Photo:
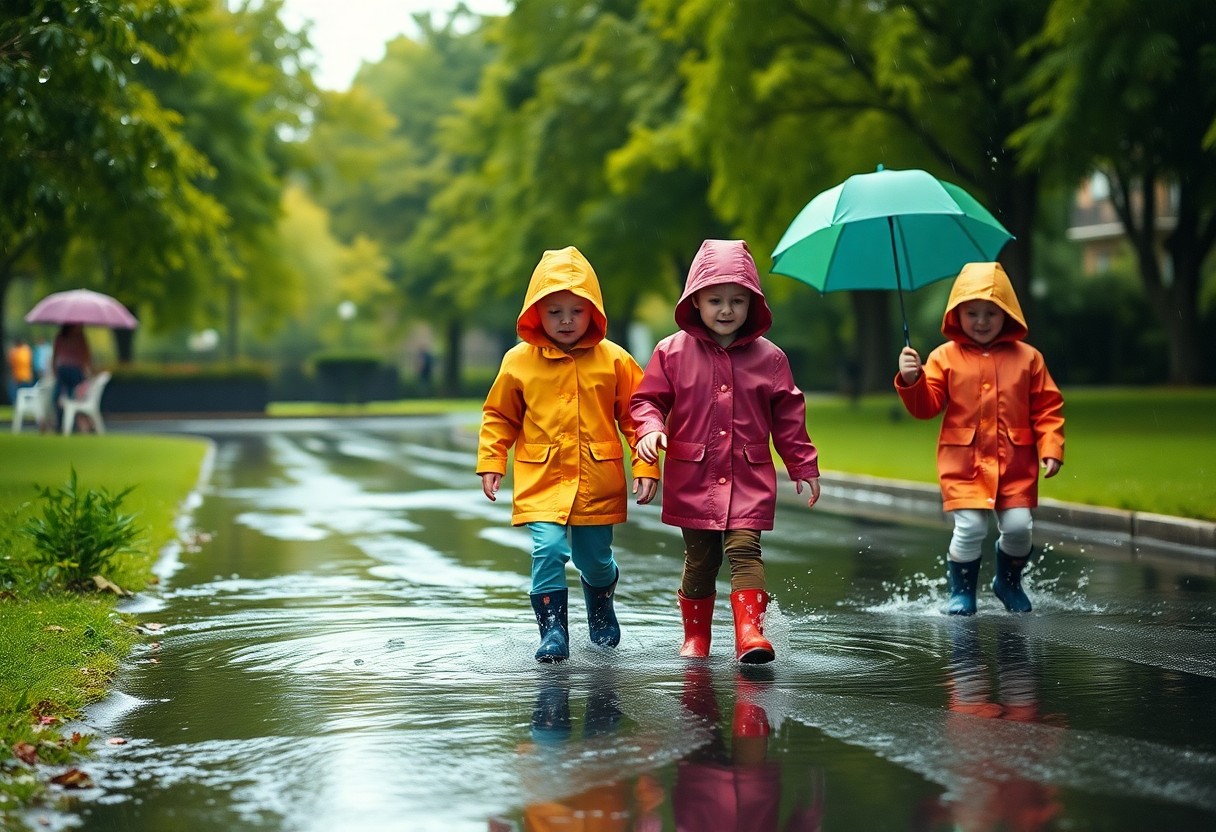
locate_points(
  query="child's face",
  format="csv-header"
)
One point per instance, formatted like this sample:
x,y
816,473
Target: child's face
x,y
723,309
565,317
981,320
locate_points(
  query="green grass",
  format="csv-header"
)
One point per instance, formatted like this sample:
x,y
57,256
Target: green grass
x,y
59,651
1148,450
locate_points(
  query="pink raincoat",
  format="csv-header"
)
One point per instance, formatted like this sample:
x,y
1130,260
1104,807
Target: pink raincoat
x,y
721,405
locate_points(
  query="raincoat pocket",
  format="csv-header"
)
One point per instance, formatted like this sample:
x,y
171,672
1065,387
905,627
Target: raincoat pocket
x,y
532,452
605,451
956,454
758,454
685,451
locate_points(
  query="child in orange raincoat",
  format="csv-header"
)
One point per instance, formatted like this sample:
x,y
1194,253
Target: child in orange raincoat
x,y
558,399
1004,417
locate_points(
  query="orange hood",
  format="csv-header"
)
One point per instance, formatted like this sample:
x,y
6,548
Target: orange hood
x,y
984,281
560,269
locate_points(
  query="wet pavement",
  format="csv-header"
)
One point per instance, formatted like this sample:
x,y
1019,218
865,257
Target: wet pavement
x,y
348,645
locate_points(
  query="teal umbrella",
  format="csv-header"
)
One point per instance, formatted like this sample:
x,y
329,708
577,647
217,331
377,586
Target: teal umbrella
x,y
891,229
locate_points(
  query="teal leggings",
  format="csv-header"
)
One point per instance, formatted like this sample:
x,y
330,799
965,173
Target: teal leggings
x,y
554,545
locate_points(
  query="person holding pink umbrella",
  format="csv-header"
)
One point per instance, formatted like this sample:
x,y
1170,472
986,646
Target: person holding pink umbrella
x,y
72,362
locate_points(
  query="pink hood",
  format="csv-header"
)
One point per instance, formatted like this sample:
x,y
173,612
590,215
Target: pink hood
x,y
717,262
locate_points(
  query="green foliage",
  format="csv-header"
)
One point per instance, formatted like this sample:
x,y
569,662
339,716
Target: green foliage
x,y
173,373
79,533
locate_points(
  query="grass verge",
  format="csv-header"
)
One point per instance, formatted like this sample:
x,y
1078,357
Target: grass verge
x,y
58,650
1139,449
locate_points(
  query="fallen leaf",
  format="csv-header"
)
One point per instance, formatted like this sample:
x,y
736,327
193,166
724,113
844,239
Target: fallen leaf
x,y
73,778
116,741
107,585
55,628
152,626
48,720
25,752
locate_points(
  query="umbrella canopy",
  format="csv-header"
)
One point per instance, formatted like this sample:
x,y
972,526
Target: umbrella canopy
x,y
891,229
82,306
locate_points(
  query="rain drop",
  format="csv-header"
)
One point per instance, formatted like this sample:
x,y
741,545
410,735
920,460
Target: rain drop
x,y
44,75
135,58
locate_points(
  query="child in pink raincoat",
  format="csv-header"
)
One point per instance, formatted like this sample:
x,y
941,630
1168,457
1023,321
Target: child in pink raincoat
x,y
1003,417
713,395
559,400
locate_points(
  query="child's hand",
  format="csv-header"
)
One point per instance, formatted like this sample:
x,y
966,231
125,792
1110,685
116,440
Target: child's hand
x,y
813,484
909,365
489,484
1051,467
648,445
645,488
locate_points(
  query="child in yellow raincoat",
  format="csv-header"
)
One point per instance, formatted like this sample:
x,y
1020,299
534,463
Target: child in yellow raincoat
x,y
559,399
1004,417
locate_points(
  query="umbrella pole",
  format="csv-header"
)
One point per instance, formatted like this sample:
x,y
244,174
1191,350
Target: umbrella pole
x,y
899,284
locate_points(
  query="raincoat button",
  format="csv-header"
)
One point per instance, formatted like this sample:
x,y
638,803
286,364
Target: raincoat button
x,y
721,480
987,385
721,433
724,388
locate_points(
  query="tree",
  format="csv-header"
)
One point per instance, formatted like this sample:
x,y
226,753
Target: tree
x,y
87,152
784,104
1129,87
540,165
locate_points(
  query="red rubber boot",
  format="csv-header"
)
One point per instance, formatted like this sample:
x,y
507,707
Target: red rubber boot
x,y
749,606
697,614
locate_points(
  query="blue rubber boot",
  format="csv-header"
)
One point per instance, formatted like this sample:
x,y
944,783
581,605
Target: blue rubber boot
x,y
550,609
963,579
602,625
1007,585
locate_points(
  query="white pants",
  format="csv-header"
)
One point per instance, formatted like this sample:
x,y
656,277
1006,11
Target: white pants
x,y
971,527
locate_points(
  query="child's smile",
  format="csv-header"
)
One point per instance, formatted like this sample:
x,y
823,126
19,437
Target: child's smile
x,y
981,320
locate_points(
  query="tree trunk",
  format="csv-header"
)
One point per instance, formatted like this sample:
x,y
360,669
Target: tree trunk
x,y
875,347
124,345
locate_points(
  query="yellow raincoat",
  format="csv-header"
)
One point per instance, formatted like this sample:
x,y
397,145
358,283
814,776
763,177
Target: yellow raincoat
x,y
561,410
1003,411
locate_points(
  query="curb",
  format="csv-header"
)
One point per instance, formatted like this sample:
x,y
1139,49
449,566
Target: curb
x,y
1135,532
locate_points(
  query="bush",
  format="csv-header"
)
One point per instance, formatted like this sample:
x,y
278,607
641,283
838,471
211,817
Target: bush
x,y
78,534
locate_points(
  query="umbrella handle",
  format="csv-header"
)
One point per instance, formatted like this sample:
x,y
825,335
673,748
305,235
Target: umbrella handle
x,y
899,284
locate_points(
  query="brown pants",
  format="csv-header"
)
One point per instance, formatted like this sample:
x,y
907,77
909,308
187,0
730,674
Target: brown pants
x,y
703,551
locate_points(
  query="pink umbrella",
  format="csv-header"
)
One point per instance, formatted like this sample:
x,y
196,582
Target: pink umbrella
x,y
82,306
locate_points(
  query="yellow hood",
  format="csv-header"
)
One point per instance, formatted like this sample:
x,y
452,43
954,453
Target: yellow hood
x,y
984,281
560,269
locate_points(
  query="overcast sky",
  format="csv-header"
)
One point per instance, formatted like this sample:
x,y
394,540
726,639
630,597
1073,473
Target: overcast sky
x,y
347,32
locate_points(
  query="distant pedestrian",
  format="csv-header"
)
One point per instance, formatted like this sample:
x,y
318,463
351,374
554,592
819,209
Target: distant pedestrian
x,y
561,400
1003,419
42,358
20,367
72,362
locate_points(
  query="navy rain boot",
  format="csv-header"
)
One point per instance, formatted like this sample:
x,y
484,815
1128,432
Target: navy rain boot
x,y
550,609
963,579
602,625
1007,585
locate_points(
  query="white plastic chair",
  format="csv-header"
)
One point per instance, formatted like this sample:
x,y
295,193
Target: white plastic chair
x,y
33,403
89,405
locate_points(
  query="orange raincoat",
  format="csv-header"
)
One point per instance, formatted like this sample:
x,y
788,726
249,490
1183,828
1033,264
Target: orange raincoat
x,y
1003,411
561,410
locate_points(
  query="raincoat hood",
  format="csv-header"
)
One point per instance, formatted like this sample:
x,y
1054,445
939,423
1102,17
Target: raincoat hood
x,y
984,281
717,262
560,269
